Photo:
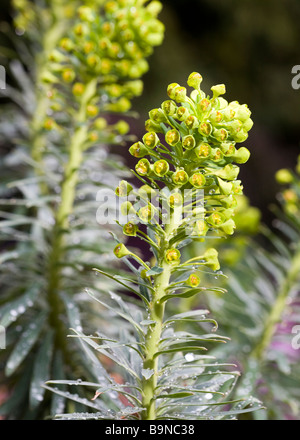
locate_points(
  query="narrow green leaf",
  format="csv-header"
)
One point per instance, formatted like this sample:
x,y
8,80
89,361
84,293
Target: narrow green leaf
x,y
41,370
179,395
11,311
27,340
154,271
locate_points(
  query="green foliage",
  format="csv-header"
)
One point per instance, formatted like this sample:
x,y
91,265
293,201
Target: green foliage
x,y
48,222
187,193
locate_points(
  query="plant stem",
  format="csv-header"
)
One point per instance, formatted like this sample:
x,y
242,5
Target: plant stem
x,y
49,42
153,337
62,216
278,307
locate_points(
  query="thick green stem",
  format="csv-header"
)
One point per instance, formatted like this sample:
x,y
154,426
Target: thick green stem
x,y
63,213
49,42
153,337
256,358
278,307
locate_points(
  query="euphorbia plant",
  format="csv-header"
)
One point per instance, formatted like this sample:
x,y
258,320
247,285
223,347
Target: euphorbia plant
x,y
189,182
85,83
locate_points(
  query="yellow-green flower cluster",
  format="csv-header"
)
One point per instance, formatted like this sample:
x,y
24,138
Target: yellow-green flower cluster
x,y
111,43
108,44
191,144
290,196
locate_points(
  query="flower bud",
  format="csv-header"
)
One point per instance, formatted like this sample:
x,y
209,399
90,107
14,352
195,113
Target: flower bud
x,y
205,129
106,66
188,142
204,105
171,90
134,88
182,114
169,107
122,127
224,186
243,113
180,94
93,60
197,180
78,89
121,251
172,256
242,155
143,167
228,149
111,6
154,8
237,188
151,140
81,29
194,80
100,123
175,200
94,136
298,165
124,189
121,106
49,124
200,228
220,103
248,125
211,259
66,44
180,177
127,209
68,75
192,122
146,191
229,202
284,176
138,150
216,155
216,219
221,135
157,115
92,111
203,151
172,137
193,280
240,136
146,213
229,114
152,126
229,172
56,56
86,14
88,47
218,90
290,196
216,117
161,167
228,227
130,229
